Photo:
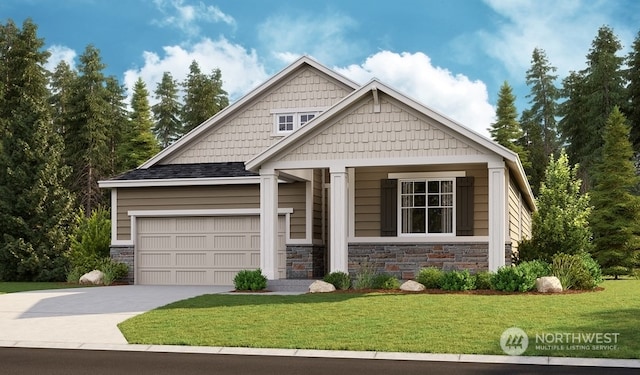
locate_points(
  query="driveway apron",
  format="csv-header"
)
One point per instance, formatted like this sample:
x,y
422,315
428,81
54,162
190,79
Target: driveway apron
x,y
84,315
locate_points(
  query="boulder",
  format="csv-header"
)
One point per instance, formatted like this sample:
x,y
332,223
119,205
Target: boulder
x,y
94,277
548,284
320,286
412,286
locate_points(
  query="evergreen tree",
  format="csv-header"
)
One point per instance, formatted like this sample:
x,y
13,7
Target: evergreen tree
x,y
35,208
140,144
633,93
166,112
506,130
561,223
573,123
62,79
118,123
204,96
601,88
539,124
616,216
86,135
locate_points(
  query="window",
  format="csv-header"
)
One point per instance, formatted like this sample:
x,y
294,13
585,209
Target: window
x,y
426,206
288,122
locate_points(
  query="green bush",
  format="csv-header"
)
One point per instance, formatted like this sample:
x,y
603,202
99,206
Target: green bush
x,y
577,271
483,280
430,277
385,281
250,280
113,271
521,278
458,280
507,279
365,276
339,279
90,241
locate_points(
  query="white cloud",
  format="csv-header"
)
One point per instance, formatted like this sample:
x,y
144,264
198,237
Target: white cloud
x,y
187,17
455,96
60,53
564,29
240,68
323,36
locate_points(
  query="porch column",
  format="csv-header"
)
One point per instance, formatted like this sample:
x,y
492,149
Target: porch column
x,y
269,223
338,230
497,215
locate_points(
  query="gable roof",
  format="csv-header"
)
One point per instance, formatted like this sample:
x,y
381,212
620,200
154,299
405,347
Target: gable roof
x,y
238,105
323,120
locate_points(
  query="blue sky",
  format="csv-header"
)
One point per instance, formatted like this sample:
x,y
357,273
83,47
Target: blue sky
x,y
450,55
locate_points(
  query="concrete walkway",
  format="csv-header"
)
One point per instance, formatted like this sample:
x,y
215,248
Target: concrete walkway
x,y
84,315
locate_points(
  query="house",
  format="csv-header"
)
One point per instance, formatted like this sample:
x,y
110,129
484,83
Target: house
x,y
311,173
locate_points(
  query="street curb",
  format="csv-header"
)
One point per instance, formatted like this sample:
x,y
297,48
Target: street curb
x,y
342,354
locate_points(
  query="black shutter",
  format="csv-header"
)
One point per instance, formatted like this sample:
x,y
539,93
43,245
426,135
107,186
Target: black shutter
x,y
388,208
464,206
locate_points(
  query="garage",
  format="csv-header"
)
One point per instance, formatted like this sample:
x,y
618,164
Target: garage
x,y
199,250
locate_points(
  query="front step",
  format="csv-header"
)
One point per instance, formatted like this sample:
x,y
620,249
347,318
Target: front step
x,y
289,285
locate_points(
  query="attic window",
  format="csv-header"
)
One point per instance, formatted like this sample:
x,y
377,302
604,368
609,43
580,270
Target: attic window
x,y
288,122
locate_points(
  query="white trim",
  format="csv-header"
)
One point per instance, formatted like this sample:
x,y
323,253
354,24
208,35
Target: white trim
x,y
114,216
308,235
338,228
423,239
498,214
413,175
426,233
302,110
351,185
122,243
204,212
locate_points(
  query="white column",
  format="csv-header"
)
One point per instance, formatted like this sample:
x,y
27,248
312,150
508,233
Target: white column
x,y
338,246
497,215
269,223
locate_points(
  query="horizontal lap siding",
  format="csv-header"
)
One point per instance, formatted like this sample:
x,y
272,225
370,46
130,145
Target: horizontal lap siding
x,y
367,204
519,216
207,197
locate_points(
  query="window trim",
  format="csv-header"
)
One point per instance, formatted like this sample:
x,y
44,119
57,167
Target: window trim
x,y
426,178
297,115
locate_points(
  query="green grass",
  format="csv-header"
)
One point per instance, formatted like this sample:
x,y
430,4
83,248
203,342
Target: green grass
x,y
14,287
432,323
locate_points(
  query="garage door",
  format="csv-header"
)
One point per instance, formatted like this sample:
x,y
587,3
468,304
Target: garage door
x,y
199,250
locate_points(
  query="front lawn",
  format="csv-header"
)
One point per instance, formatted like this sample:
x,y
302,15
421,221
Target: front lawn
x,y
431,323
14,287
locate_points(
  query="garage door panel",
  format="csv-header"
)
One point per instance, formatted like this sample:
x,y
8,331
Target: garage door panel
x,y
200,250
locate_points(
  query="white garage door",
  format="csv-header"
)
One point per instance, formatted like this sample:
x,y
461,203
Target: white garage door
x,y
199,250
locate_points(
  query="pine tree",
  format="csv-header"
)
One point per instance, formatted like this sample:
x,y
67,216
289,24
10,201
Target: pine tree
x,y
166,112
62,80
573,123
86,135
139,144
35,208
204,96
616,216
506,130
601,88
540,123
118,123
633,92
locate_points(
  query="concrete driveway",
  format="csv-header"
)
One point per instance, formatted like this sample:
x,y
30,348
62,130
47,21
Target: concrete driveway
x,y
84,315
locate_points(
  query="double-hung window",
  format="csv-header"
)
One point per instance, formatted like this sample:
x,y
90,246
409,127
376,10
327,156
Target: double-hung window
x,y
426,206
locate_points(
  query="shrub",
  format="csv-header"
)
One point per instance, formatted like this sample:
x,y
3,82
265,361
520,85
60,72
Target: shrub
x,y
483,280
364,276
90,242
430,277
592,266
385,281
507,279
572,271
339,279
112,270
250,280
458,280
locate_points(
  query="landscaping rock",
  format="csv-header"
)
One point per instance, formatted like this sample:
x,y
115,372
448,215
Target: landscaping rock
x,y
548,284
412,286
320,286
94,277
